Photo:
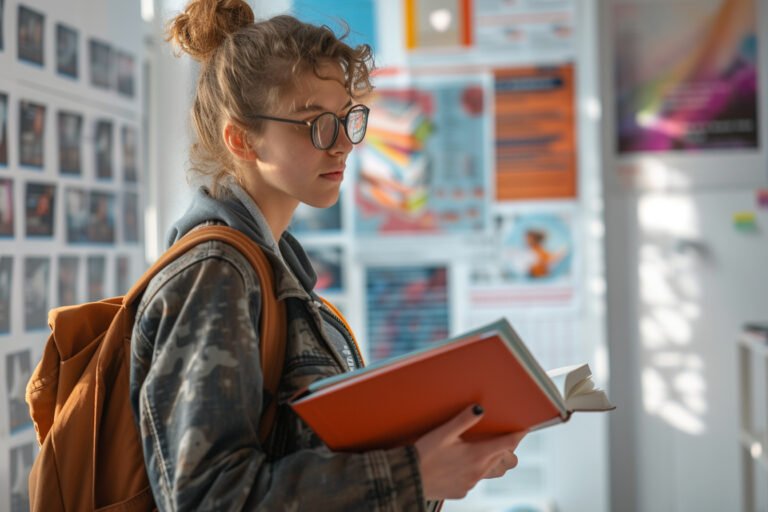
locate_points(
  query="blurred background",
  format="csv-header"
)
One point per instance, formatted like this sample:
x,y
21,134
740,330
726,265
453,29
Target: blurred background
x,y
593,170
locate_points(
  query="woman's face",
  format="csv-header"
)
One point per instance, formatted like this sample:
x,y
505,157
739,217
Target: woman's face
x,y
288,169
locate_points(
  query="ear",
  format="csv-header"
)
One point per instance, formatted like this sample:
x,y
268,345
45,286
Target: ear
x,y
236,140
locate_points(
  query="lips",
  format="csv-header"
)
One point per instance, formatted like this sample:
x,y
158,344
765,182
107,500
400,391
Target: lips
x,y
335,174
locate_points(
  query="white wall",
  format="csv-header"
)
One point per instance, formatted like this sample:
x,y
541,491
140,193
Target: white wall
x,y
681,280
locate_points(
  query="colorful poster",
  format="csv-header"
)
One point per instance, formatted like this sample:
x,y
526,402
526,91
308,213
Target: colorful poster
x,y
31,26
526,27
39,208
535,133
686,75
437,23
31,134
530,262
407,308
359,15
101,224
423,163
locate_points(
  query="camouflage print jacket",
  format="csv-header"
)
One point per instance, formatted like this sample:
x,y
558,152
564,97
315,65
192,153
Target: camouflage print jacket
x,y
196,384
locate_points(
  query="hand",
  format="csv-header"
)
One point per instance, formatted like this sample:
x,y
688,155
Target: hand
x,y
450,467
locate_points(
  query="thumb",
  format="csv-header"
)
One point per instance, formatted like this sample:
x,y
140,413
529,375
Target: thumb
x,y
460,423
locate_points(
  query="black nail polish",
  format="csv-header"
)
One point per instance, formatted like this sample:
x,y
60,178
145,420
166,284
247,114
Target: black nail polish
x,y
478,410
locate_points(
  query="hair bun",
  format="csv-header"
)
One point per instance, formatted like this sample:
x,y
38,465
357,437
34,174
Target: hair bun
x,y
204,25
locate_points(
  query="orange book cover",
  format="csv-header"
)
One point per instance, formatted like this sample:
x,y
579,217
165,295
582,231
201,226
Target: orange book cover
x,y
394,402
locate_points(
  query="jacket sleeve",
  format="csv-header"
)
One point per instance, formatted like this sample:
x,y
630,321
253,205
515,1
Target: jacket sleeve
x,y
196,386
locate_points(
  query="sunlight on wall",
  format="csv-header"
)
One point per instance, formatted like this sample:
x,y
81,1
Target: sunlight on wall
x,y
672,379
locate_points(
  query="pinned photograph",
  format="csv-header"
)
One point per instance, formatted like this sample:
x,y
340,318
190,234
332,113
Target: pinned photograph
x,y
76,215
31,31
31,134
125,76
21,458
39,205
96,272
6,280
104,144
6,208
37,278
3,127
18,369
66,50
122,274
69,273
130,217
128,139
327,263
70,141
100,54
101,222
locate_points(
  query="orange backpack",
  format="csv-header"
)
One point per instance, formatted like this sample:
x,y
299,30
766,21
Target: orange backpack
x,y
91,453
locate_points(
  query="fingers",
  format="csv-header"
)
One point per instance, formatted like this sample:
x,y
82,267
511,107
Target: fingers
x,y
460,423
503,442
504,463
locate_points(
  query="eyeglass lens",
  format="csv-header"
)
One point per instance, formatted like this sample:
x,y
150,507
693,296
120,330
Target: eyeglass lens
x,y
325,128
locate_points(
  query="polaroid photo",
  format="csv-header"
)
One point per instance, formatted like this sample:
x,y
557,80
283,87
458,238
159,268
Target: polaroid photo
x,y
3,127
69,274
128,140
37,278
328,265
100,54
6,282
130,217
125,75
18,370
39,205
66,50
31,134
77,215
70,127
21,458
31,31
6,208
103,146
101,222
123,280
96,272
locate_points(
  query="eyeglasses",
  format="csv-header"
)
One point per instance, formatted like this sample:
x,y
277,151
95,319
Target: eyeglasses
x,y
324,129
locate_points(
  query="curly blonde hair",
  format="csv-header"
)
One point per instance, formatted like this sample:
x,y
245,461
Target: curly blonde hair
x,y
246,68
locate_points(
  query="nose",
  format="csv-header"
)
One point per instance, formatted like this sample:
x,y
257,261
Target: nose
x,y
342,146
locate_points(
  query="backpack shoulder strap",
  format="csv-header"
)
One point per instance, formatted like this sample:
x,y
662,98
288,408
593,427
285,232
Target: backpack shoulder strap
x,y
273,322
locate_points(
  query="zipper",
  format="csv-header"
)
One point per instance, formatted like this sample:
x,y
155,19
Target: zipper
x,y
343,327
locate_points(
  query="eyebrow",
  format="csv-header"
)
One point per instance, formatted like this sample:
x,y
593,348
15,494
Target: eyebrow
x,y
312,107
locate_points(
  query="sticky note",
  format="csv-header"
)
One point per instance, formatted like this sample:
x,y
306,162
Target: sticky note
x,y
744,221
761,195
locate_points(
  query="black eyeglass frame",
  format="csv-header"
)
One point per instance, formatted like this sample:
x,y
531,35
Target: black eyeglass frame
x,y
311,125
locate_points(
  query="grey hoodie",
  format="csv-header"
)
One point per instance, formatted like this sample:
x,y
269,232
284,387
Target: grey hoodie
x,y
197,392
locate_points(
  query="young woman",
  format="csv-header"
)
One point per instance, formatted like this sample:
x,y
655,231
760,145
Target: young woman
x,y
276,112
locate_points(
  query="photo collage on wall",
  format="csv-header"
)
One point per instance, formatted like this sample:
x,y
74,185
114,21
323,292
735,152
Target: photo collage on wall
x,y
71,192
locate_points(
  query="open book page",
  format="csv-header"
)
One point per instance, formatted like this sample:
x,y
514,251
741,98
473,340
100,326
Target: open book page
x,y
578,389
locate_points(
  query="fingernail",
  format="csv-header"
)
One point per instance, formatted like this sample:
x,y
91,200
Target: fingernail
x,y
478,410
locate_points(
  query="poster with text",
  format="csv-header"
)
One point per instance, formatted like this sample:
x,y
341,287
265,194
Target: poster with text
x,y
686,75
526,28
535,133
18,370
528,262
407,308
422,166
37,279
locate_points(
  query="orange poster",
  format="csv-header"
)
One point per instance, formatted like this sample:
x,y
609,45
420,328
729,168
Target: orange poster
x,y
535,133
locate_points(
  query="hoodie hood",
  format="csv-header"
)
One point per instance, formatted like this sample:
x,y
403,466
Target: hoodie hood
x,y
237,210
